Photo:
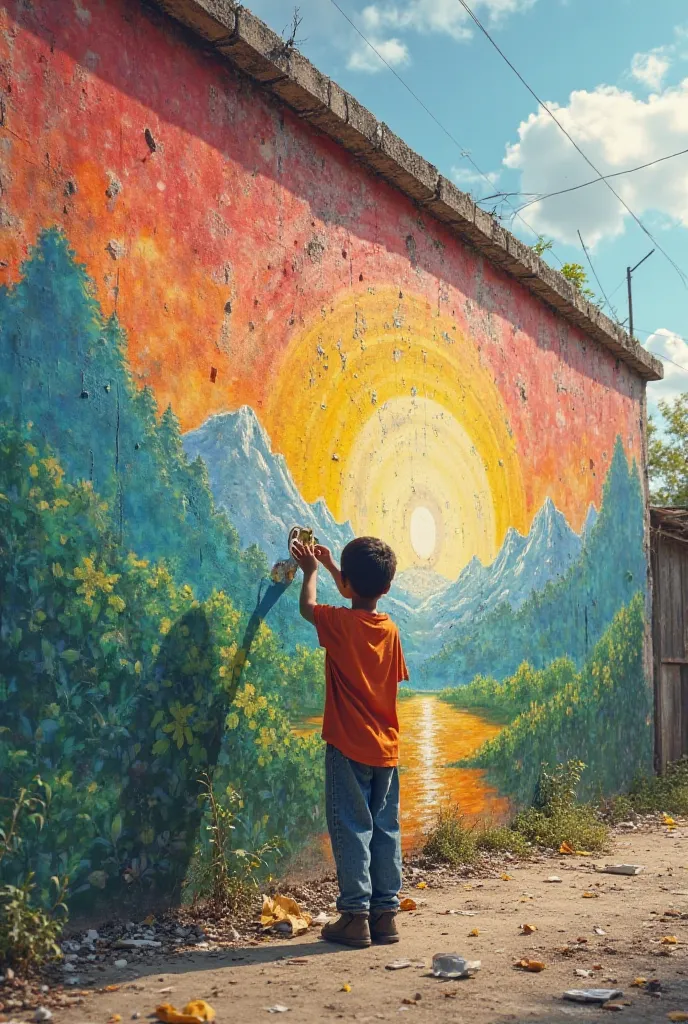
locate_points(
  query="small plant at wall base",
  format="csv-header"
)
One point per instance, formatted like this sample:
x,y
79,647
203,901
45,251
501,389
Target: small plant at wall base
x,y
226,877
558,818
28,929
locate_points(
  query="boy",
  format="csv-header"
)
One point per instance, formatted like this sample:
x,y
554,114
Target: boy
x,y
363,666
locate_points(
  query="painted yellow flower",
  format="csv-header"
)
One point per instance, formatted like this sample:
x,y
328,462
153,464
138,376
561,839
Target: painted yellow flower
x,y
165,626
232,720
93,580
117,603
92,787
33,470
57,570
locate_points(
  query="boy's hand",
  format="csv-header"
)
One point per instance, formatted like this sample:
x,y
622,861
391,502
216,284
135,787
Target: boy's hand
x,y
304,556
324,556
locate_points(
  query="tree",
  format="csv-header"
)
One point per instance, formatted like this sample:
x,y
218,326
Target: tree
x,y
668,454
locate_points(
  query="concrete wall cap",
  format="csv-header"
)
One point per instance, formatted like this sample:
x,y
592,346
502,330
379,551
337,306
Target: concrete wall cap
x,y
259,52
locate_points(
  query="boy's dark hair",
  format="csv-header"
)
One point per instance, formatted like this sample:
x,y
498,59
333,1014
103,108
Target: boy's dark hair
x,y
369,565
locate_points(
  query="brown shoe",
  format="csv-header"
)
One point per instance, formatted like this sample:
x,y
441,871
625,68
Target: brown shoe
x,y
349,930
383,927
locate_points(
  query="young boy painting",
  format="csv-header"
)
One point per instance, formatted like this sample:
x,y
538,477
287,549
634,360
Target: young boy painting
x,y
363,666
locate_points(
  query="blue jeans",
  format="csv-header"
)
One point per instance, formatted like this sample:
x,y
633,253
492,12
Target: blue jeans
x,y
362,804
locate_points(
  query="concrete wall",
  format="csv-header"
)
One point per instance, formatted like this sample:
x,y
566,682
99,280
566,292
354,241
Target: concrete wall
x,y
217,322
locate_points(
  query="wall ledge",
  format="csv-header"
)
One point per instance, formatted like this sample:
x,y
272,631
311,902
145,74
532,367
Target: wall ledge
x,y
255,49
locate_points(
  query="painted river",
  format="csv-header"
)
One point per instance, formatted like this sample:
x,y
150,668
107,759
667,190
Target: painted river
x,y
433,735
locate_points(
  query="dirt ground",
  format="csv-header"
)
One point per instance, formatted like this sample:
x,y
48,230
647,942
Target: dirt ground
x,y
309,976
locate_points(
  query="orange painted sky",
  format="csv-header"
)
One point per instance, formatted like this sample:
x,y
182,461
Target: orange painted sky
x,y
243,229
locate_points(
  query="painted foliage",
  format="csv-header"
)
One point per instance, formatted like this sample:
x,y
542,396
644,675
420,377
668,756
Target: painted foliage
x,y
215,325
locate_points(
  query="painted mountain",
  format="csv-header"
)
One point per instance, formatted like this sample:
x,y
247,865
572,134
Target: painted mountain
x,y
523,565
570,611
255,487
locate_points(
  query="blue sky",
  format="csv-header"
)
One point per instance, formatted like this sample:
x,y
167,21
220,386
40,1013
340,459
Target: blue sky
x,y
618,72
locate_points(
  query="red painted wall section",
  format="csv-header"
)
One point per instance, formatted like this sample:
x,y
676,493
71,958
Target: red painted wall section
x,y
240,206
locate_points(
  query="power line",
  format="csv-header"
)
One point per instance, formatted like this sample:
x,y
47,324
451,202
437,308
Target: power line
x,y
593,181
464,153
573,142
599,283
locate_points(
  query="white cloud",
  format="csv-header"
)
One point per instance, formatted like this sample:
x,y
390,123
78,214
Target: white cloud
x,y
469,180
446,16
363,58
668,345
421,16
617,131
650,68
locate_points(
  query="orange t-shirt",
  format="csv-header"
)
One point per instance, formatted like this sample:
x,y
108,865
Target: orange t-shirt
x,y
363,667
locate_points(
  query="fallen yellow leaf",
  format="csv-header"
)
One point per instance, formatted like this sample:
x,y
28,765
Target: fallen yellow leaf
x,y
473,933
669,940
565,848
677,1015
149,920
638,982
534,966
195,1012
407,904
591,895
668,820
583,853
506,878
346,987
528,929
422,885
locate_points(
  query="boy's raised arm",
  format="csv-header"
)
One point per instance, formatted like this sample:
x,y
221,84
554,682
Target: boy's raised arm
x,y
324,556
304,555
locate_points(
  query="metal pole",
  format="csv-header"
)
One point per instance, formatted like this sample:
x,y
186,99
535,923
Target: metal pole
x,y
629,273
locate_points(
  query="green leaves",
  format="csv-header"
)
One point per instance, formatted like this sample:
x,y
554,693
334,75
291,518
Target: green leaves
x,y
668,454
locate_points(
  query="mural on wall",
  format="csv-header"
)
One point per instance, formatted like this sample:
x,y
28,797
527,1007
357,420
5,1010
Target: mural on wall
x,y
204,340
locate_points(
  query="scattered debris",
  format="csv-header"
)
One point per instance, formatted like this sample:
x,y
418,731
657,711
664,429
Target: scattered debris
x,y
120,964
592,995
346,987
283,913
533,966
451,965
398,965
581,973
553,878
408,904
195,1012
528,929
622,869
278,1008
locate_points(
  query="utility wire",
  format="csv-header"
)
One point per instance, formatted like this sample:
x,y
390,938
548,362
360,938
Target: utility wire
x,y
593,181
464,153
599,283
573,142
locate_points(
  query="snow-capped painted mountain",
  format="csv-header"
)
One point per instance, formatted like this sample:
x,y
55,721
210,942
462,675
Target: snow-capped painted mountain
x,y
254,486
525,564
